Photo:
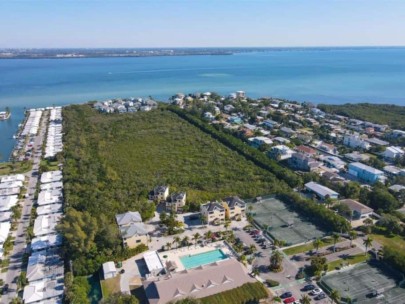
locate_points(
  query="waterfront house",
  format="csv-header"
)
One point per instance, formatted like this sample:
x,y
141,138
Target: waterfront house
x,y
321,191
213,212
365,173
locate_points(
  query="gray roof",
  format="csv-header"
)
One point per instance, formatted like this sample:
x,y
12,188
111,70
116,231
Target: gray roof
x,y
211,206
44,264
365,168
232,201
160,189
133,229
356,206
44,290
46,241
199,282
128,218
321,190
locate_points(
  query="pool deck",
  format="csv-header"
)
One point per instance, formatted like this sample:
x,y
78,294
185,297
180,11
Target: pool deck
x,y
174,255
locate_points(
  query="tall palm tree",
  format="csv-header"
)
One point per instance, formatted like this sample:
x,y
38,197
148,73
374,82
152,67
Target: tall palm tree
x,y
177,240
305,299
168,245
208,235
252,248
367,243
255,271
335,296
276,259
226,225
185,241
196,237
317,243
352,236
335,238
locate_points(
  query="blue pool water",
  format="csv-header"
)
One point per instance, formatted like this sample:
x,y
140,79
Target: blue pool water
x,y
196,260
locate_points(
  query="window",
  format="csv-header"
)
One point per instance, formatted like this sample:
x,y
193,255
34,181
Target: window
x,y
138,241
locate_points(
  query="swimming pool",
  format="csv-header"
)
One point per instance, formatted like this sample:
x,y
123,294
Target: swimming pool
x,y
192,261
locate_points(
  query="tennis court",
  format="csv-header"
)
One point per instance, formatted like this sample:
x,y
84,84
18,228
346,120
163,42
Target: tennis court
x,y
284,224
359,282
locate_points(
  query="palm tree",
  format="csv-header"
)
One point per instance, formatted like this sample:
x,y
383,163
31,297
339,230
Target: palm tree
x,y
177,240
276,259
252,248
168,245
367,242
335,238
317,243
196,237
208,235
305,299
185,241
255,271
242,259
335,296
368,222
226,225
352,236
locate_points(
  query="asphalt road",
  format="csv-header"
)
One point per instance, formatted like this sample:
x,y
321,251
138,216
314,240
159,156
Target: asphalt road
x,y
16,256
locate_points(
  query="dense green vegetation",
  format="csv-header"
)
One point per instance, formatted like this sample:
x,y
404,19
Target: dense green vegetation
x,y
113,161
247,293
15,167
391,115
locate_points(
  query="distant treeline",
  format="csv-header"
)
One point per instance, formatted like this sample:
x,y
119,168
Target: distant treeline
x,y
391,115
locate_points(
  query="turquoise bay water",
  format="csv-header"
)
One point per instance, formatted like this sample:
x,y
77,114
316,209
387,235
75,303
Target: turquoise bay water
x,y
329,76
204,258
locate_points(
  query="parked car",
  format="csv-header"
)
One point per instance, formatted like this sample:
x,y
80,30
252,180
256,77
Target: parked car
x,y
320,296
287,294
289,300
308,287
315,291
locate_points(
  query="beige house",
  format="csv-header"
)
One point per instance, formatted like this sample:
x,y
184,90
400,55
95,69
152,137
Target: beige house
x,y
234,207
213,212
133,231
176,202
159,194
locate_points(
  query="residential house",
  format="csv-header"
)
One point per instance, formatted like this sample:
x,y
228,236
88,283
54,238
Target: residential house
x,y
280,152
334,162
46,242
8,202
235,208
356,156
47,197
51,177
229,108
392,153
303,162
359,211
287,132
176,202
270,124
45,291
328,148
159,194
259,141
12,178
46,224
321,191
133,231
365,173
213,212
355,141
306,150
45,264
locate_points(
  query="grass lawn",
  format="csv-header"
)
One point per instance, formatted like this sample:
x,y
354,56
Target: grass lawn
x,y
350,260
247,293
307,247
47,165
110,286
396,242
16,168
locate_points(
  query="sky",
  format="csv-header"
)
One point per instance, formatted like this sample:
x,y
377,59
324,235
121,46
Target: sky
x,y
200,23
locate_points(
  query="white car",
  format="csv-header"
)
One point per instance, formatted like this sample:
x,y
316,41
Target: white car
x,y
315,291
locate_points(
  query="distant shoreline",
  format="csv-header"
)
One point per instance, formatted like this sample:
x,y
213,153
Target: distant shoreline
x,y
78,53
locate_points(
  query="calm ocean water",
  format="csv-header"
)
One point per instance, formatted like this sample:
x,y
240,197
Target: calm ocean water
x,y
328,76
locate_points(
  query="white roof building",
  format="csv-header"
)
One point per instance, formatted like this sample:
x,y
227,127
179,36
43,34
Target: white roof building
x,y
5,216
52,186
46,224
10,191
322,191
109,270
393,152
47,197
7,202
51,176
45,264
12,178
49,209
11,184
43,291
4,231
153,261
46,241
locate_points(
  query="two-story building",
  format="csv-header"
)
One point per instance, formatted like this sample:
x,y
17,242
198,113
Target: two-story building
x,y
133,231
176,202
213,212
159,194
303,162
365,173
235,208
